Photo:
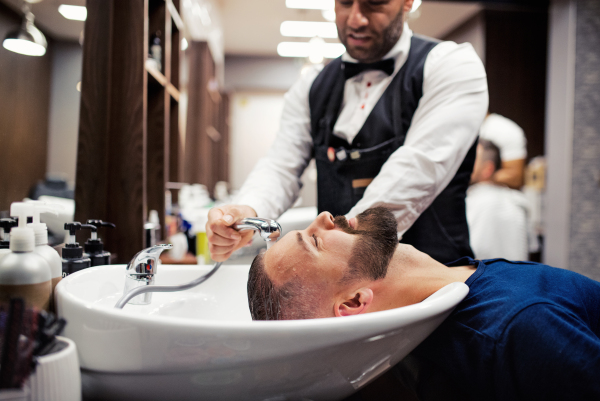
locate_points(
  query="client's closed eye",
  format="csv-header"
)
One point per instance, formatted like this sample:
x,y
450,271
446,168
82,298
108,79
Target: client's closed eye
x,y
315,238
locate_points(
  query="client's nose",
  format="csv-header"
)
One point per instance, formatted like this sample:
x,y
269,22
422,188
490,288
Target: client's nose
x,y
324,221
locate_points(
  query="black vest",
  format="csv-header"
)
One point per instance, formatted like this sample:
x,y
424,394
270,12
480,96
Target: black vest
x,y
441,231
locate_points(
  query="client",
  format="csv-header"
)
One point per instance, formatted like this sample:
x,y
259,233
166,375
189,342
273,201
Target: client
x,y
524,331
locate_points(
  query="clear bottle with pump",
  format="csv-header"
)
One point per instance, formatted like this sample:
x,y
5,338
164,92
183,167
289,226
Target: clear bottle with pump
x,y
94,247
41,241
72,254
5,226
23,273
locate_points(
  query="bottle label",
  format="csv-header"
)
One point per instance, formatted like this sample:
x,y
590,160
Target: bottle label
x,y
37,295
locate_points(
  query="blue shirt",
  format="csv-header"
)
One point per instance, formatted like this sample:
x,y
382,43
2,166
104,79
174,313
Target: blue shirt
x,y
525,331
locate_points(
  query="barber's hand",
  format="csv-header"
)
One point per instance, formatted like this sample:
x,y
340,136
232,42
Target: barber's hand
x,y
223,240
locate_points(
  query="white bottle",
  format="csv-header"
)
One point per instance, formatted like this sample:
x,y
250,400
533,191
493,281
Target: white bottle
x,y
23,273
42,248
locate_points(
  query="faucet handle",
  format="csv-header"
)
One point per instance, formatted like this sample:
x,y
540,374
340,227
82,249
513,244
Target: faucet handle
x,y
145,261
269,230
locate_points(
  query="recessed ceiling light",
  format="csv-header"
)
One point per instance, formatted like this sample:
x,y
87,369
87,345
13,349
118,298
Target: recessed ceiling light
x,y
77,13
308,29
311,4
303,49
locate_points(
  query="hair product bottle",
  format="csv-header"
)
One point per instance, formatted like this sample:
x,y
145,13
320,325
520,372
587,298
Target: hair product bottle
x,y
72,254
94,247
42,248
23,273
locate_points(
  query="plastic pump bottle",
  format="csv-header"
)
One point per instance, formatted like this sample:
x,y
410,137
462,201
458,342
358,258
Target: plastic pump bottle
x,y
41,240
5,226
94,247
73,259
23,273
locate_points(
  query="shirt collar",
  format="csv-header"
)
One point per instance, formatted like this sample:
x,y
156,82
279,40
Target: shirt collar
x,y
399,52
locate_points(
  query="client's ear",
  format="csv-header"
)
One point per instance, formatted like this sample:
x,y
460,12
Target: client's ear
x,y
357,302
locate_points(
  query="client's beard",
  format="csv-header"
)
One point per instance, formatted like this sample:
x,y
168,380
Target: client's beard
x,y
376,243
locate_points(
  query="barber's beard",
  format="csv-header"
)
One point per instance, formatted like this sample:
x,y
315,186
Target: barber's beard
x,y
388,38
377,240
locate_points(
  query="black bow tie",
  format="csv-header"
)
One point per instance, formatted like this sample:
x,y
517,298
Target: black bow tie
x,y
353,69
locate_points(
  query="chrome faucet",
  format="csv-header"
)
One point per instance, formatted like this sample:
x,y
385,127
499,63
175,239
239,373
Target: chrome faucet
x,y
141,270
139,279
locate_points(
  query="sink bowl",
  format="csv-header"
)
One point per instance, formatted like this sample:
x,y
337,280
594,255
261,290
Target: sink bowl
x,y
202,344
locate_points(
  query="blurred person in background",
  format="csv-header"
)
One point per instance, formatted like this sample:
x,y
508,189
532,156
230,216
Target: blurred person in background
x,y
497,214
393,122
510,139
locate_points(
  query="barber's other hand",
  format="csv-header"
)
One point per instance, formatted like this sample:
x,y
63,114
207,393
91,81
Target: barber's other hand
x,y
223,240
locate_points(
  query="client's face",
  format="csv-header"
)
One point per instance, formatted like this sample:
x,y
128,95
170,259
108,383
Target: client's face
x,y
331,250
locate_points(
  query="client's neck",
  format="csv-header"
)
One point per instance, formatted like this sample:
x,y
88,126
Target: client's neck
x,y
413,276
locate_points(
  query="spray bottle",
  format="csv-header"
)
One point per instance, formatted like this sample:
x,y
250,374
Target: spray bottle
x,y
23,273
41,241
73,259
94,248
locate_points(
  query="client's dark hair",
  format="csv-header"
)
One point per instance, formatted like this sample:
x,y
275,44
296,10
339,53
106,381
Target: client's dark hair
x,y
491,152
270,302
376,242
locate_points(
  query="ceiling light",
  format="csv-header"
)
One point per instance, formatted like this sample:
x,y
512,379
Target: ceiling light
x,y
184,44
311,4
415,6
302,49
76,13
308,29
27,40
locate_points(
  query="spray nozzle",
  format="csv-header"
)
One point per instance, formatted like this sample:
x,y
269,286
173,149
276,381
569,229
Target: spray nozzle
x,y
75,226
22,238
21,210
40,207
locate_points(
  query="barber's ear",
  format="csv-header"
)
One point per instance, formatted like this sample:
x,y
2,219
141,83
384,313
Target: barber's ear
x,y
356,303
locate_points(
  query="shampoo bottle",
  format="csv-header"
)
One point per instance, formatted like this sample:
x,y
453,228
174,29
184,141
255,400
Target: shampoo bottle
x,y
72,254
94,248
41,241
23,273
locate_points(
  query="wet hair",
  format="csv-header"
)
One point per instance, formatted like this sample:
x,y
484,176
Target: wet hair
x,y
370,258
270,302
491,152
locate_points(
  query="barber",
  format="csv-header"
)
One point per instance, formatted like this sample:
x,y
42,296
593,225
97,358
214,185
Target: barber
x,y
393,122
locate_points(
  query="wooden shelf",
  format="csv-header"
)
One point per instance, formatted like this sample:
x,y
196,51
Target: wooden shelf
x,y
161,79
152,70
131,143
175,15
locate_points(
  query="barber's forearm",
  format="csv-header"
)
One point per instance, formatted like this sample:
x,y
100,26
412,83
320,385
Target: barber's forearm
x,y
511,174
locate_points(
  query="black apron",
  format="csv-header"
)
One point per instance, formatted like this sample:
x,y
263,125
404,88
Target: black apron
x,y
344,170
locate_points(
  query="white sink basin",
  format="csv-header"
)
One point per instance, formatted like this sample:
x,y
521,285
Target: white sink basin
x,y
201,344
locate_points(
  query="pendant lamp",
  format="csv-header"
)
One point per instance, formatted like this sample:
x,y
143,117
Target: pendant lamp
x,y
27,40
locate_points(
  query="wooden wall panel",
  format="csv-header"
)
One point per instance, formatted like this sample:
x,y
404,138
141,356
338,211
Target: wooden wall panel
x,y
112,145
24,112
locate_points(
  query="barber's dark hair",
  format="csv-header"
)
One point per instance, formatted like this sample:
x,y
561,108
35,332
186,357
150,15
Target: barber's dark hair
x,y
270,302
491,152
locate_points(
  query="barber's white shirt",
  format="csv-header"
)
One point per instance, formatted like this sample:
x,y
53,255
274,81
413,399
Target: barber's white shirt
x,y
444,126
497,218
